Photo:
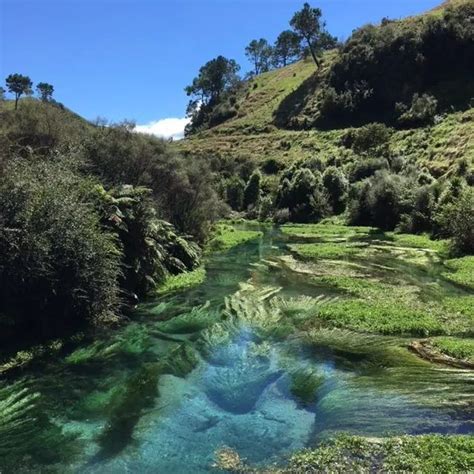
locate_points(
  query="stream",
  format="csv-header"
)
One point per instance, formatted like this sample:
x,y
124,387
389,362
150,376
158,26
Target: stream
x,y
211,367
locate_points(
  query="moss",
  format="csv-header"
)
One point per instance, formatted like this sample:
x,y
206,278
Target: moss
x,y
455,347
182,281
461,271
226,236
427,453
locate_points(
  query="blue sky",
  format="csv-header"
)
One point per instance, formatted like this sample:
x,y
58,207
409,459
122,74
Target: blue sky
x,y
131,59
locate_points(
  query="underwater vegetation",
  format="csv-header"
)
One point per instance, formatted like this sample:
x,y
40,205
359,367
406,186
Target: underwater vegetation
x,y
305,384
200,317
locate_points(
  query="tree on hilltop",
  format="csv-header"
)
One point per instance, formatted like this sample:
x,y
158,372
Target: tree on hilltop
x,y
259,53
18,84
287,48
45,91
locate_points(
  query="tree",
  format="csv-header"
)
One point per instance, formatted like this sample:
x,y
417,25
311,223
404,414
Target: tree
x,y
287,48
215,78
252,190
18,84
336,186
307,23
45,91
2,93
259,53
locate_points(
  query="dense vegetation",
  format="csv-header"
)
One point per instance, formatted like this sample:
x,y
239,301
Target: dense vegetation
x,y
93,216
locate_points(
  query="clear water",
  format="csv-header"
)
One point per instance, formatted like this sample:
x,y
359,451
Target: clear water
x,y
126,413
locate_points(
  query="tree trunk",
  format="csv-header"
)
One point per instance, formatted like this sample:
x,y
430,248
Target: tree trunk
x,y
17,96
316,60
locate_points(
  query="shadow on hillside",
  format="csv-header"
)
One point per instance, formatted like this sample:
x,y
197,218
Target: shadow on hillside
x,y
287,115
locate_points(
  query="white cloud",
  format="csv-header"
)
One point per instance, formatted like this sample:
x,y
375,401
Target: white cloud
x,y
165,128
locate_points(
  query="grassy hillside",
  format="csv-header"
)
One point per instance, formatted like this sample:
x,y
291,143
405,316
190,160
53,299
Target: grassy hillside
x,y
277,110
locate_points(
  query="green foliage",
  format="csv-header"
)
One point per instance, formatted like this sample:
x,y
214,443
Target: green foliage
x,y
455,347
426,453
259,53
456,219
303,193
58,267
216,78
286,49
252,190
304,385
18,84
234,190
45,91
369,137
307,23
422,111
183,281
227,236
199,318
181,188
336,186
461,271
152,249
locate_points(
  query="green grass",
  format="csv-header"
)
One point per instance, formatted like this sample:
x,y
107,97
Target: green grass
x,y
455,347
424,454
460,305
182,281
226,236
462,271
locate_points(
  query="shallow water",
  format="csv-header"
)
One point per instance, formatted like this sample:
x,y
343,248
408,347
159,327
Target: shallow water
x,y
164,396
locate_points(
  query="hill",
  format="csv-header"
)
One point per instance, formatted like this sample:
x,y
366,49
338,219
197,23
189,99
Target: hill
x,y
285,115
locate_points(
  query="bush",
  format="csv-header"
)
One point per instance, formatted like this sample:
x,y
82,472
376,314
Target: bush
x,y
368,137
336,188
252,190
234,193
456,220
58,268
380,201
304,196
422,111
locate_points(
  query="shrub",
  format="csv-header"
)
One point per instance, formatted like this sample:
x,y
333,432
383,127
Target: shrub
x,y
252,190
58,267
234,193
368,137
422,111
336,186
304,196
456,219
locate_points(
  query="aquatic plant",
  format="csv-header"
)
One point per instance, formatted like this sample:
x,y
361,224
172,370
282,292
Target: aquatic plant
x,y
218,334
182,281
455,347
305,383
462,271
199,318
128,405
319,250
181,360
425,453
226,237
132,340
300,308
248,306
18,422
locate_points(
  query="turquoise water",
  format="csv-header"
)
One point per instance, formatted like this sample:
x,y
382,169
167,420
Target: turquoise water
x,y
210,367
